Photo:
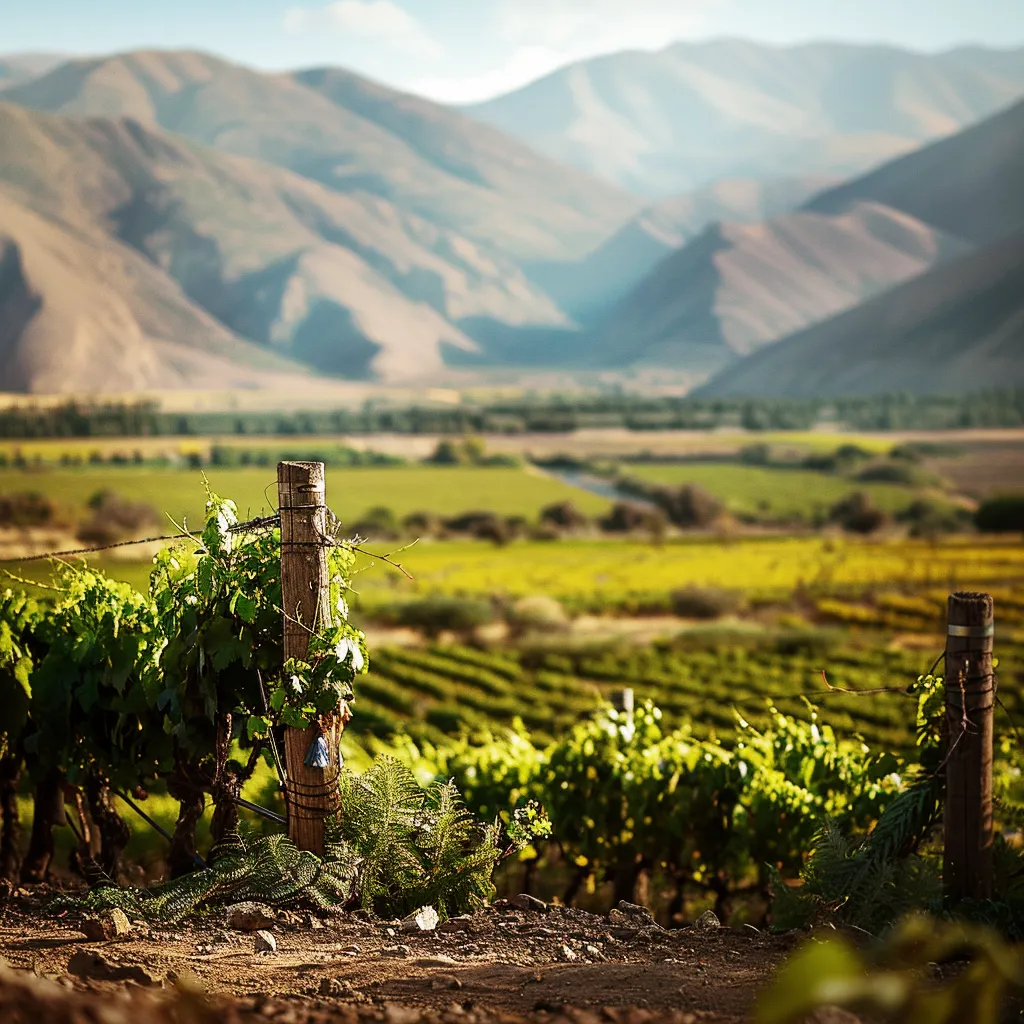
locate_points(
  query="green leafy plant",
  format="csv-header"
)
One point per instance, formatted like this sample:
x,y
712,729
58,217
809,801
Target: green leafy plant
x,y
900,978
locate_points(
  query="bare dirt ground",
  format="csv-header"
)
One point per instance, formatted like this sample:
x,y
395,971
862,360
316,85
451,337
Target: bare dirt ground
x,y
504,963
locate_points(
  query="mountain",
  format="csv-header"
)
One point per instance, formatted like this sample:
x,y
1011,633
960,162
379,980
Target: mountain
x,y
119,235
970,185
352,136
957,329
590,286
19,67
675,120
740,286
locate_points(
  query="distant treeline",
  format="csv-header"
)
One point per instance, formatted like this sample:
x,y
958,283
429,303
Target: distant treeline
x,y
528,415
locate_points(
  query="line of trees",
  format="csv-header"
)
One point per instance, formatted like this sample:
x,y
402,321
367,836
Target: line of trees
x,y
549,414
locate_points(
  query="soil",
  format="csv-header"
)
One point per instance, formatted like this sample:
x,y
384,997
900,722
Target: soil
x,y
504,964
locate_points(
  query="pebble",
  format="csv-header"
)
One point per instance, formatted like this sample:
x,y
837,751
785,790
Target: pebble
x,y
567,954
423,920
526,902
249,917
707,921
110,924
446,981
397,951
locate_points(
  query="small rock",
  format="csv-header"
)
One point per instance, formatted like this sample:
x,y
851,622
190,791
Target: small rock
x,y
250,917
423,920
336,987
85,963
454,924
446,981
111,924
567,954
265,942
594,952
397,951
526,902
707,920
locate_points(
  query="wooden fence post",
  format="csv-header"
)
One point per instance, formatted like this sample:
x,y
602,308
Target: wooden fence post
x,y
311,794
970,700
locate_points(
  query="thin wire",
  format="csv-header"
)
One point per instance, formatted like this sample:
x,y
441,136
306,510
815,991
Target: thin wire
x,y
262,522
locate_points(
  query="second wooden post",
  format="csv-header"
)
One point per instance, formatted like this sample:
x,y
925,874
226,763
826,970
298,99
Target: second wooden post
x,y
970,701
311,792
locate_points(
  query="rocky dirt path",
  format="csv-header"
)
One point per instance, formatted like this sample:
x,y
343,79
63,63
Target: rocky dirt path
x,y
512,961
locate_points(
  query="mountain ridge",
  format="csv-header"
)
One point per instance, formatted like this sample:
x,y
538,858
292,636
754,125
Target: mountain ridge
x,y
673,120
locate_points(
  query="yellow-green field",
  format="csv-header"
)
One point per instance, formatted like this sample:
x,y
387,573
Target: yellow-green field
x,y
444,490
781,492
606,574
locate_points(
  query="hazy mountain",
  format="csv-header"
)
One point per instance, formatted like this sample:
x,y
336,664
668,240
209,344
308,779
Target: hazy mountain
x,y
672,121
740,286
117,234
971,184
352,136
958,328
19,67
590,286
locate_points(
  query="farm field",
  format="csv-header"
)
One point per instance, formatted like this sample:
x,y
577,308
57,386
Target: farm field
x,y
781,492
179,492
629,576
591,443
636,577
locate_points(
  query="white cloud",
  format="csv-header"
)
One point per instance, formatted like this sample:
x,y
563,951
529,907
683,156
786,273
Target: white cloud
x,y
378,21
543,35
526,64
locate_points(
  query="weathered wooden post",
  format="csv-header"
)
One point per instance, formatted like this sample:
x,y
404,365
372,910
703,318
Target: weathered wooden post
x,y
970,700
311,793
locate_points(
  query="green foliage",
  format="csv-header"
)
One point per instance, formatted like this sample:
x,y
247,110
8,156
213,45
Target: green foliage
x,y
896,978
392,847
1002,514
434,615
90,712
22,623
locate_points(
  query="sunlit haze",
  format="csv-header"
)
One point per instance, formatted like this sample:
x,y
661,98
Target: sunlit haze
x,y
467,50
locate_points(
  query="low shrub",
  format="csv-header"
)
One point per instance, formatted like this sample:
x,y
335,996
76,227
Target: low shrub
x,y
26,509
436,615
857,513
705,602
537,614
1002,514
114,518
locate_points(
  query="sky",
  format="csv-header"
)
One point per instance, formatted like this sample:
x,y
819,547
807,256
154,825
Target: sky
x,y
462,51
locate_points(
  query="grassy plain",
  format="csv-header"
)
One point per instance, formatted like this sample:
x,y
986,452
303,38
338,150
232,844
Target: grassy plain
x,y
782,492
178,492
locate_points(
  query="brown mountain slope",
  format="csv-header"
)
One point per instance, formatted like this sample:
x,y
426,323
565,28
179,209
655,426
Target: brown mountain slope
x,y
738,287
672,121
81,313
347,284
970,185
958,328
590,286
352,136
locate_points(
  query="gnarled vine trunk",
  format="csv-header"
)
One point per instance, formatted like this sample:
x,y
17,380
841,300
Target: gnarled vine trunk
x,y
113,831
185,785
48,810
10,824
